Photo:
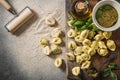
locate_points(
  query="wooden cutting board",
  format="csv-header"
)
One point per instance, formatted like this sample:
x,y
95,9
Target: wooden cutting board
x,y
96,60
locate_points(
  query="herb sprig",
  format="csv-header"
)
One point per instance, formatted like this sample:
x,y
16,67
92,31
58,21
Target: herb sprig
x,y
108,71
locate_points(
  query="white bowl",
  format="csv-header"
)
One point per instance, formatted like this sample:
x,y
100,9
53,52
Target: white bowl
x,y
113,3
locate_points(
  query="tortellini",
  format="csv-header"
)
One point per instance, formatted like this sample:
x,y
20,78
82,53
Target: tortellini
x,y
44,42
51,21
79,39
76,71
85,56
94,45
57,40
79,59
84,34
70,56
86,65
102,51
91,51
55,49
58,62
56,32
107,35
85,49
91,34
98,37
47,50
86,42
78,50
72,45
101,44
111,45
71,33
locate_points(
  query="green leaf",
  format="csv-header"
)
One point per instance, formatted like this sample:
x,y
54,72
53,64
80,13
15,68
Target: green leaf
x,y
106,72
99,13
76,29
90,20
107,7
114,76
78,23
83,27
113,66
95,27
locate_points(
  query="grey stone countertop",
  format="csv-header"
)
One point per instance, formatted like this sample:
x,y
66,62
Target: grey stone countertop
x,y
21,56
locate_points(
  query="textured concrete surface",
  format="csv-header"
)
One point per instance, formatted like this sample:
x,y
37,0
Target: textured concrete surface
x,y
21,57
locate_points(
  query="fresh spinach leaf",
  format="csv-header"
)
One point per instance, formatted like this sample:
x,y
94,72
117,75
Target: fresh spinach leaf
x,y
106,72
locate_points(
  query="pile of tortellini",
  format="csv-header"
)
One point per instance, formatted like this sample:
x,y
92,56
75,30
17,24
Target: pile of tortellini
x,y
52,47
86,43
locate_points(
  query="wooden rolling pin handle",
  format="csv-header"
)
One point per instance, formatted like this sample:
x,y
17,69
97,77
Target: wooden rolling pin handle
x,y
5,4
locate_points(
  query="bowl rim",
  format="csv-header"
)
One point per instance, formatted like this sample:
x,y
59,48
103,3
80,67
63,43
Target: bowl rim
x,y
101,3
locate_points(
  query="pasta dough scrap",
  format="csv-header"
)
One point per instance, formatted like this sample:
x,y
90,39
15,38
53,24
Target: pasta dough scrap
x,y
76,71
58,62
111,45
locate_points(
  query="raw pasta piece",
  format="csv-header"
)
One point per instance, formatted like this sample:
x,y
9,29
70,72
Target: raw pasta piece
x,y
51,21
79,59
85,57
111,45
91,34
91,51
71,33
79,39
102,51
76,71
58,62
98,37
101,44
70,56
94,45
107,35
86,42
44,42
55,49
72,45
56,32
86,65
84,34
85,49
78,50
57,40
47,50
